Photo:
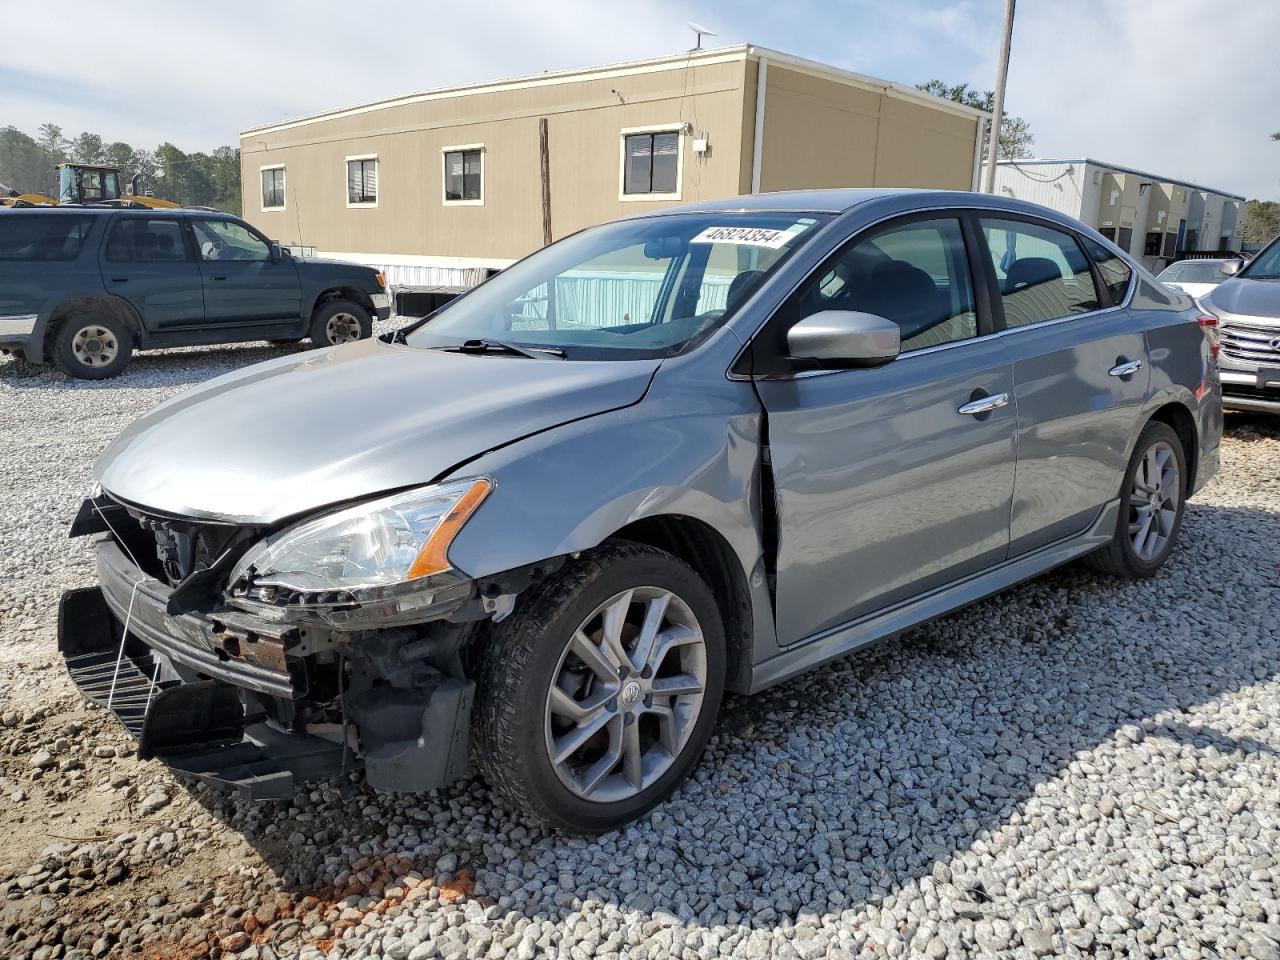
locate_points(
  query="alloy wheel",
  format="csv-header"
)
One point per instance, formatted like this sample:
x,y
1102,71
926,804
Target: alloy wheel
x,y
626,695
1153,501
95,346
342,328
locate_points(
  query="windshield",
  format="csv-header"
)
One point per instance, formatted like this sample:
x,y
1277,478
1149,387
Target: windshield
x,y
1266,265
1194,271
651,287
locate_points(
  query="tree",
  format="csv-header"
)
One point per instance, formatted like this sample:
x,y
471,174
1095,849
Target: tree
x,y
199,179
87,148
53,142
1263,221
24,164
1016,137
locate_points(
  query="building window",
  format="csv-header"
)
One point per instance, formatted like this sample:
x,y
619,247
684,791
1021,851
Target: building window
x,y
464,174
651,164
362,181
1124,239
273,188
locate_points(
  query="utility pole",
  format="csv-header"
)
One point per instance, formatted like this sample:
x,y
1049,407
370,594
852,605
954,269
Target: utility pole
x,y
997,108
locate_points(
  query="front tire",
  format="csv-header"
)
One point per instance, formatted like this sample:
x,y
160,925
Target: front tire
x,y
92,346
596,698
1152,500
340,321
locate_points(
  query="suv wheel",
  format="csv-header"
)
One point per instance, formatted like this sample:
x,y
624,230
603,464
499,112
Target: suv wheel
x,y
1152,499
340,321
92,346
595,699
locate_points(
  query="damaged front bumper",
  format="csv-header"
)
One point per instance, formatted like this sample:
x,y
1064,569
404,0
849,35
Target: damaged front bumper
x,y
251,704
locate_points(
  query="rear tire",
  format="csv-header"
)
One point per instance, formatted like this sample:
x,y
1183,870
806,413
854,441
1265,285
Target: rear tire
x,y
92,346
340,321
1152,501
638,731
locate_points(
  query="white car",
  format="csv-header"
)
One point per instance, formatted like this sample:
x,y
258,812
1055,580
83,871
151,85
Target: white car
x,y
1197,278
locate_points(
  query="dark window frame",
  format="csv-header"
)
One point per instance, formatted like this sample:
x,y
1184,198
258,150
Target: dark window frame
x,y
652,136
262,176
467,154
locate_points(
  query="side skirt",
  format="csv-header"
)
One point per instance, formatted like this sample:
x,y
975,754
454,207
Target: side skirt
x,y
845,639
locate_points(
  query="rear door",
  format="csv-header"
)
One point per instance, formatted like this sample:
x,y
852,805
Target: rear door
x,y
1080,369
243,286
147,261
884,487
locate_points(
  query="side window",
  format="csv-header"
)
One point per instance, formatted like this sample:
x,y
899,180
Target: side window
x,y
228,240
137,240
1042,272
1115,272
916,275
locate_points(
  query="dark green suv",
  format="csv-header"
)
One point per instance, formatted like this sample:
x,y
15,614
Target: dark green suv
x,y
84,287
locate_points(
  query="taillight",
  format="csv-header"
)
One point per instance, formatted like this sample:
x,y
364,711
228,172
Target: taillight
x,y
1209,324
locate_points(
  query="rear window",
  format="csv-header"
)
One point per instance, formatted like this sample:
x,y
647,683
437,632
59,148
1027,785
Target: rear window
x,y
42,236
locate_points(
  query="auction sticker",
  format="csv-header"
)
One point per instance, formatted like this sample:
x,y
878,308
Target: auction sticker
x,y
750,236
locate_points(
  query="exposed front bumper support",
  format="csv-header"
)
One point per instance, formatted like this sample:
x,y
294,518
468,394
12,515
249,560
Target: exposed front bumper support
x,y
199,729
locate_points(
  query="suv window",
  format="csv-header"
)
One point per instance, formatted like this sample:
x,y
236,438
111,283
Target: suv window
x,y
137,240
1115,272
228,240
1043,274
915,274
42,236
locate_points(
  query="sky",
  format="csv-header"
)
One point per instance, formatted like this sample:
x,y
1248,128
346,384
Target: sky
x,y
1180,88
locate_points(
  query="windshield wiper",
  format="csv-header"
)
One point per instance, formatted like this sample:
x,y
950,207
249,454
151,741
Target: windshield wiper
x,y
481,346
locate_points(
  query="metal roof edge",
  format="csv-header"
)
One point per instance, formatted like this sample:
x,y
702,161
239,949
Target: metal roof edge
x,y
1121,169
710,54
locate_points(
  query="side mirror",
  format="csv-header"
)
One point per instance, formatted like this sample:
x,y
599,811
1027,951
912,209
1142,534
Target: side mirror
x,y
276,252
1229,268
845,338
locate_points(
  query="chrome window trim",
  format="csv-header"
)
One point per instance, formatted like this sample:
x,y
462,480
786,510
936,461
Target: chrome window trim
x,y
981,338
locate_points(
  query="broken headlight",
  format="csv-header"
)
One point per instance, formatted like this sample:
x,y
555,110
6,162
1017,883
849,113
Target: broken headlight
x,y
361,553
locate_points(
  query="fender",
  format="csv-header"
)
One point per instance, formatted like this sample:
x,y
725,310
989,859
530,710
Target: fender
x,y
570,488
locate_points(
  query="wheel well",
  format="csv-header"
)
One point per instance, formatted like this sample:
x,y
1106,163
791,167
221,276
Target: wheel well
x,y
113,308
1184,425
703,548
342,293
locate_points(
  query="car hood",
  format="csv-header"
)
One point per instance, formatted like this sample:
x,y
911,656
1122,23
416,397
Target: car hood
x,y
302,432
1243,297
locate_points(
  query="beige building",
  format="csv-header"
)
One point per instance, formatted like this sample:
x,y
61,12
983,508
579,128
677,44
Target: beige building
x,y
433,184
1156,219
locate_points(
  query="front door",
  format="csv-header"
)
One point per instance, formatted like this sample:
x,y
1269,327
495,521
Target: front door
x,y
243,285
147,261
1081,372
884,488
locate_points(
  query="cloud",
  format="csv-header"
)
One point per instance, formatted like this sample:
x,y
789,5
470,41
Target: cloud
x,y
1146,85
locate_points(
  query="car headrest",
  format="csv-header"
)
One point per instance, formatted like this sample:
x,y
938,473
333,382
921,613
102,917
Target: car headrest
x,y
1029,271
897,288
741,287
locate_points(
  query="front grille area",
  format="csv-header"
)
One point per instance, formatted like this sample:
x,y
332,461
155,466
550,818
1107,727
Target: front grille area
x,y
1250,342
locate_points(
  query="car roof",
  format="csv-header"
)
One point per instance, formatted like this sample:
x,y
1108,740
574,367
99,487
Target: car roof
x,y
841,200
157,213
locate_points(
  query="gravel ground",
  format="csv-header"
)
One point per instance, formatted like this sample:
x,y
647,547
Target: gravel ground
x,y
1078,767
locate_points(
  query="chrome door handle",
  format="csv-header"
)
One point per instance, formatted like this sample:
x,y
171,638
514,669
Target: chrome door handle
x,y
984,404
1125,369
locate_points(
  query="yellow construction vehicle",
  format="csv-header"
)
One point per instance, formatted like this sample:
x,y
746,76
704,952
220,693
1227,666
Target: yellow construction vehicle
x,y
88,183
